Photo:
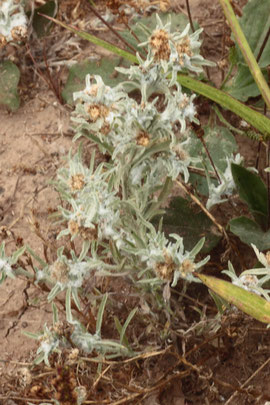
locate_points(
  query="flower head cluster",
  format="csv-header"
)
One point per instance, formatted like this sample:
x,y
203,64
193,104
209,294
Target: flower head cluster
x,y
94,207
168,259
176,52
13,22
67,273
98,105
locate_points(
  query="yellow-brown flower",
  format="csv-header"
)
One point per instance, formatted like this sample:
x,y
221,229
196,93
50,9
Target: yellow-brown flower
x,y
96,111
59,272
143,138
164,270
159,43
187,267
77,182
183,47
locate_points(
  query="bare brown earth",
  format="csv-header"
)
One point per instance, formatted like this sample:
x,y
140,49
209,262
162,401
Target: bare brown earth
x,y
183,363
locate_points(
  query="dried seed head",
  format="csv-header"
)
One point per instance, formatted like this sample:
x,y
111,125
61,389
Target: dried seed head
x,y
73,355
3,41
19,33
59,272
268,257
73,227
143,138
96,111
180,152
183,47
90,234
159,43
187,267
105,129
77,182
165,269
25,376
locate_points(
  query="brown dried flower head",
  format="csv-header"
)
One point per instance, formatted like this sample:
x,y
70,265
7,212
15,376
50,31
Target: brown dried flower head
x,y
164,270
3,41
183,47
180,153
187,267
73,227
25,376
59,272
268,257
19,33
90,234
96,111
77,182
143,138
159,43
105,129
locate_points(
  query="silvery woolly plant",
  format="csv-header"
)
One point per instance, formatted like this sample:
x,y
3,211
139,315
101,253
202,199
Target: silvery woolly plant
x,y
108,207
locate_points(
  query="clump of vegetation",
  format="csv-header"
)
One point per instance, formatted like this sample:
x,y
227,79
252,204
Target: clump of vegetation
x,y
114,212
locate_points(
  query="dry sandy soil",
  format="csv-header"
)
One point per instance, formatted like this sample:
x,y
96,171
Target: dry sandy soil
x,y
33,143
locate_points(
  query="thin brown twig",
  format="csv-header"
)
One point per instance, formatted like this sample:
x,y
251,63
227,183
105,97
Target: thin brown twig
x,y
248,380
263,45
111,28
101,375
193,30
200,135
130,360
55,88
134,34
27,399
210,216
189,16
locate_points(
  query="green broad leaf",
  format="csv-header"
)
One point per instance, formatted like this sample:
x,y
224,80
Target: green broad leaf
x,y
248,302
243,85
250,232
255,23
104,68
41,24
190,223
252,190
9,79
221,143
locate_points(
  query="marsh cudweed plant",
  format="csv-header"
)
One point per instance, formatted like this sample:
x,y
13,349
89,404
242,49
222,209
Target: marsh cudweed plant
x,y
108,207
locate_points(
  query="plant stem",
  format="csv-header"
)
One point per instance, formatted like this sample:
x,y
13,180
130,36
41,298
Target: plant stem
x,y
200,134
263,45
111,28
246,51
268,177
189,16
205,210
